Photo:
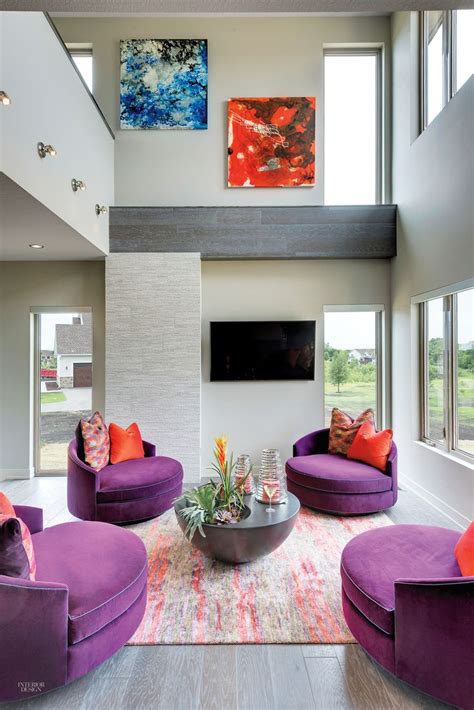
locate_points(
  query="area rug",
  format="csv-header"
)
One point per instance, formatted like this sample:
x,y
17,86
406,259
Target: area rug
x,y
290,596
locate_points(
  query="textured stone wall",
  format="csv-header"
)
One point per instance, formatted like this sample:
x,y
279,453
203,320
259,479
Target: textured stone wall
x,y
153,350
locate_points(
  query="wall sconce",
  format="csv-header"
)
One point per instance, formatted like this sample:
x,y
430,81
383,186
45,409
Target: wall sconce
x,y
78,185
100,210
4,98
44,150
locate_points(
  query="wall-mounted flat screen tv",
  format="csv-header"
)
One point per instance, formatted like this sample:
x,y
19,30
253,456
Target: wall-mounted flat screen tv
x,y
262,350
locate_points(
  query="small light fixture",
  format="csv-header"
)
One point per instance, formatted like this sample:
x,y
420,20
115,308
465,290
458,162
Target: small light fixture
x,y
4,98
44,150
78,185
100,209
36,246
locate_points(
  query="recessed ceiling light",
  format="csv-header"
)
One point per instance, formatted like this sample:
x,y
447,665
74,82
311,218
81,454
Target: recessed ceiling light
x,y
36,246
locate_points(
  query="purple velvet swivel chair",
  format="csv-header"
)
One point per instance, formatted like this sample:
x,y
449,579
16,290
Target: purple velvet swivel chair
x,y
408,606
123,492
334,484
87,600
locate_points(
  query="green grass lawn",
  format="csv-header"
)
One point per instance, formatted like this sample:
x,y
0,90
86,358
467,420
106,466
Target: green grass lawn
x,y
52,397
353,398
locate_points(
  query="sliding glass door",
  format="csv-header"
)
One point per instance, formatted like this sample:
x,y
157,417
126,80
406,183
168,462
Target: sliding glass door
x,y
63,384
353,360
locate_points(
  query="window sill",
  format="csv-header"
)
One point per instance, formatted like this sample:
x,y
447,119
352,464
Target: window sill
x,y
446,454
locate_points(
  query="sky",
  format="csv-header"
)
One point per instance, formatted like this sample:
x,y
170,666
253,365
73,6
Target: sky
x,y
350,330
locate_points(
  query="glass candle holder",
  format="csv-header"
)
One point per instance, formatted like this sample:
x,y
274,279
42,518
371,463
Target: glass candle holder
x,y
271,486
242,476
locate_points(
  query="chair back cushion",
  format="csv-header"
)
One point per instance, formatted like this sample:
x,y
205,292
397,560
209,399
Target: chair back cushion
x,y
343,429
371,446
17,557
464,552
96,441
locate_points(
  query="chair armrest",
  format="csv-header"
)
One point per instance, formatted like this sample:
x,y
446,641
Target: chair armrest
x,y
315,443
434,619
149,449
391,469
31,516
83,483
34,626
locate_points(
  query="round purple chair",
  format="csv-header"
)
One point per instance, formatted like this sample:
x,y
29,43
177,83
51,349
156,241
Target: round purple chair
x,y
87,600
123,492
335,484
407,604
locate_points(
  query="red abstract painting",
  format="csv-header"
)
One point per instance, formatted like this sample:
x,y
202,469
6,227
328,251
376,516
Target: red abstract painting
x,y
271,142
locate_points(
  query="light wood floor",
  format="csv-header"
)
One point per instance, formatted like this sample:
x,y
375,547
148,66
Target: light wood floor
x,y
247,677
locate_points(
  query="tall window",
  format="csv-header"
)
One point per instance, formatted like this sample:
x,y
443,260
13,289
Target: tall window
x,y
447,57
82,58
352,127
448,371
353,360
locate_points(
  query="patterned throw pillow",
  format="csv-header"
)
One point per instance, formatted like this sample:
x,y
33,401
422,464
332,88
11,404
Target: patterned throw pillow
x,y
96,441
17,557
343,429
6,507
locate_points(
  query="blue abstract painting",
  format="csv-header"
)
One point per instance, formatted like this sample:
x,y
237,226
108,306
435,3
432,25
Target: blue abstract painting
x,y
163,83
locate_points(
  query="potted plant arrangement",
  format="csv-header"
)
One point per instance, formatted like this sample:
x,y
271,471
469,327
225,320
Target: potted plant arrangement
x,y
218,502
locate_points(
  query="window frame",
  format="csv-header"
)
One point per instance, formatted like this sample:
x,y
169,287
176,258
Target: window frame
x,y
450,350
376,52
380,349
81,50
449,19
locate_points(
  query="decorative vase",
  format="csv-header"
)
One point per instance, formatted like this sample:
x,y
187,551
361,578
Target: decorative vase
x,y
243,478
271,485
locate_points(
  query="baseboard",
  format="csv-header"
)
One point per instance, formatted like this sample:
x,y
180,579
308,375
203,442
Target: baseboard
x,y
8,474
445,509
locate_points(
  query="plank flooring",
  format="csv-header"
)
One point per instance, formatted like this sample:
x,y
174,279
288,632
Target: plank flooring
x,y
245,677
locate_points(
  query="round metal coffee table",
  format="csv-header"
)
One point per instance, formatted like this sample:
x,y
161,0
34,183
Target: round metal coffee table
x,y
255,536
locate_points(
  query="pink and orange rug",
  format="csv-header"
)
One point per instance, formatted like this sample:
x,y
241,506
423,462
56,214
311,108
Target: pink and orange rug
x,y
291,596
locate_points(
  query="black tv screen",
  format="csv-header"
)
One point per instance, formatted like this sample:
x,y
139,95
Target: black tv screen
x,y
262,350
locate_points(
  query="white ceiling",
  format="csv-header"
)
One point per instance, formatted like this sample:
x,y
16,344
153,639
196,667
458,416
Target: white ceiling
x,y
150,7
24,220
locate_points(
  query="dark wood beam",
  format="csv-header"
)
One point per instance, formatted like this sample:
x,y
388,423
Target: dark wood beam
x,y
353,232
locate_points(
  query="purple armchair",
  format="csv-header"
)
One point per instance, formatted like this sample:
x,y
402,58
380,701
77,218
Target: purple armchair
x,y
88,599
408,606
124,492
334,484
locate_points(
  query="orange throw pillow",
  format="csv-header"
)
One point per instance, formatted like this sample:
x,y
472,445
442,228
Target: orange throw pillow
x,y
370,446
125,444
343,429
464,552
6,507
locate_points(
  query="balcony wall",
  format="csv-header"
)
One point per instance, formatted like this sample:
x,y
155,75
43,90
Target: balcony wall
x,y
51,104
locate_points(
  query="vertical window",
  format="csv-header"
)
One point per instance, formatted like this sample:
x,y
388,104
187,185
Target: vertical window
x,y
352,127
82,58
447,59
464,372
352,360
435,70
463,34
63,377
448,371
435,369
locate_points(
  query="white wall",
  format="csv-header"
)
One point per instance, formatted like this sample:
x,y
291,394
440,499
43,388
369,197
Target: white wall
x,y
248,56
256,415
433,187
153,363
23,285
50,104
